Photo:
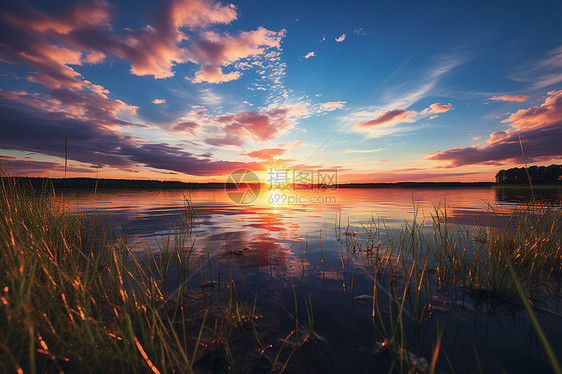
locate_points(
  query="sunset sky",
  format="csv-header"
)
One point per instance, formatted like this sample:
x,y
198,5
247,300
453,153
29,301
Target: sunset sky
x,y
191,90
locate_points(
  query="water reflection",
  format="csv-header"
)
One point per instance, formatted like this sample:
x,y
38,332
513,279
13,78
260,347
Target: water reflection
x,y
524,195
149,213
297,244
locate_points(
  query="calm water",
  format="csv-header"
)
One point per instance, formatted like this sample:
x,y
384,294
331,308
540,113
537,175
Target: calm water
x,y
295,244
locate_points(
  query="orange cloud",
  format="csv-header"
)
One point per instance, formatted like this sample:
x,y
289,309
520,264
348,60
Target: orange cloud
x,y
540,131
518,98
437,108
262,126
292,144
159,101
549,112
267,153
214,74
388,117
198,13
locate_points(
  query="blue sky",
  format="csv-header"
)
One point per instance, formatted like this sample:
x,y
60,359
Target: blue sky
x,y
194,89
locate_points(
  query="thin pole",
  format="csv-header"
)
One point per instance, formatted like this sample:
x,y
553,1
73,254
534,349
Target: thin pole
x,y
65,153
526,168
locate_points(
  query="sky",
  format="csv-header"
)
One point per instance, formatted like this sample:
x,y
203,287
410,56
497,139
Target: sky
x,y
192,90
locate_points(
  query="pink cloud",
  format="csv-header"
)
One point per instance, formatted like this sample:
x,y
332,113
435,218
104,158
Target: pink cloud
x,y
196,13
390,116
82,15
437,108
309,55
153,49
213,51
214,74
262,126
33,129
267,153
518,98
341,38
540,131
159,101
549,112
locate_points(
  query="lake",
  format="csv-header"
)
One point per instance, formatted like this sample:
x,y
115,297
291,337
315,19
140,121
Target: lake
x,y
300,251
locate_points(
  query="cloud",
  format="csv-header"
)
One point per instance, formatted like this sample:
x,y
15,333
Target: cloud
x,y
437,108
214,74
386,122
209,97
262,126
540,130
518,98
333,105
186,126
309,55
551,66
33,129
159,101
267,153
543,73
387,117
407,94
292,144
341,38
177,35
82,15
476,138
25,167
353,150
213,50
360,32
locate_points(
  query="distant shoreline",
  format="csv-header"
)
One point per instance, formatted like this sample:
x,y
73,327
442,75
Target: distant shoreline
x,y
92,184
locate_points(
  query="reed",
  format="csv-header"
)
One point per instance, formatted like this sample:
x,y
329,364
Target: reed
x,y
75,297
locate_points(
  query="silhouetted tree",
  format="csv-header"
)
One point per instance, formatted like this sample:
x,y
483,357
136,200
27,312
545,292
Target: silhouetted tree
x,y
539,175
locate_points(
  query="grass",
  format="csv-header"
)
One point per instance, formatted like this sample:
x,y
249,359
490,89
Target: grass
x,y
513,258
75,297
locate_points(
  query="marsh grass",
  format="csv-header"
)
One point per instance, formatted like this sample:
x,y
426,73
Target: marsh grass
x,y
514,257
74,298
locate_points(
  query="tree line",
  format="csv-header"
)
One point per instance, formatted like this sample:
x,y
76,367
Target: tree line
x,y
539,175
